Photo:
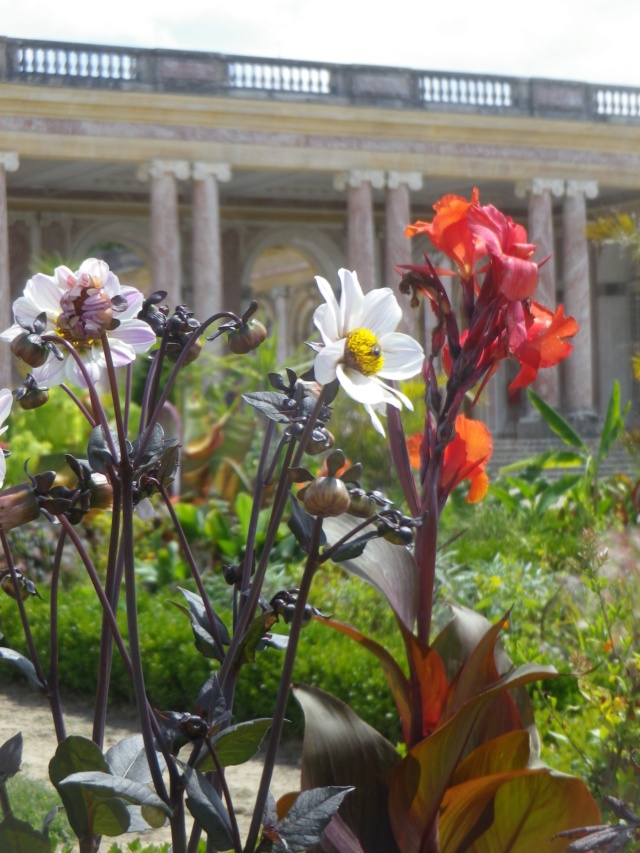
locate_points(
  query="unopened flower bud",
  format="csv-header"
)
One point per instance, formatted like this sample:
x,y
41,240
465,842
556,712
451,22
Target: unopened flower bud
x,y
362,505
18,505
26,587
174,353
326,497
247,338
319,441
32,352
101,492
33,398
396,535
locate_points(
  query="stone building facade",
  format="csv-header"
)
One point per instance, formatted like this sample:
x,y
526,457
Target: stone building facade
x,y
218,178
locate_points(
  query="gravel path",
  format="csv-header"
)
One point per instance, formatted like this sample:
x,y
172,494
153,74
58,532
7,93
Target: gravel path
x,y
22,709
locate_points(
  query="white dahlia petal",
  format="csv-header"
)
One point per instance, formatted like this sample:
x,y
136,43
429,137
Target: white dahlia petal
x,y
121,352
6,399
375,420
12,332
381,313
328,314
325,321
403,356
44,294
135,333
52,371
3,468
324,366
134,303
351,302
362,389
93,364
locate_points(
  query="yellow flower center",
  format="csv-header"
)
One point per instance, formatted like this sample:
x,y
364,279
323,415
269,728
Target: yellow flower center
x,y
363,352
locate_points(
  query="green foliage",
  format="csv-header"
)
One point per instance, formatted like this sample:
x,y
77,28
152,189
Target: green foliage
x,y
31,800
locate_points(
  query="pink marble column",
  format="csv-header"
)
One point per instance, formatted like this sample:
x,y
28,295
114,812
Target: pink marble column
x,y
361,246
398,247
166,266
207,251
9,162
577,296
540,232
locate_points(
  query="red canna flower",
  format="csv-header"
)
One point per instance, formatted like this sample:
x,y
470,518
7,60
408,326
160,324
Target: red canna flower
x,y
465,458
449,232
514,273
545,344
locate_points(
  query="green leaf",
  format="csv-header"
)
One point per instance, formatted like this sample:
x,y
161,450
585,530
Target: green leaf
x,y
613,422
548,459
235,745
557,423
420,781
73,755
528,807
17,836
341,749
390,569
555,491
257,628
190,519
128,758
23,664
10,757
306,820
208,809
106,786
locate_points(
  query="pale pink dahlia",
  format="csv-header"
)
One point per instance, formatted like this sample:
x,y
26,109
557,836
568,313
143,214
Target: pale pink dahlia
x,y
79,307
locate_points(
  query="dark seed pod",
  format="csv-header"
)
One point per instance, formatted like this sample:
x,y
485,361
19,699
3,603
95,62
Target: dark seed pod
x,y
362,505
398,535
247,338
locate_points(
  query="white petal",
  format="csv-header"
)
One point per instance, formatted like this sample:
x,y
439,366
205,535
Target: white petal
x,y
375,420
329,314
12,332
324,367
394,397
134,303
351,302
121,353
325,321
381,313
135,333
145,510
3,468
65,277
6,399
362,389
403,356
92,362
44,293
52,371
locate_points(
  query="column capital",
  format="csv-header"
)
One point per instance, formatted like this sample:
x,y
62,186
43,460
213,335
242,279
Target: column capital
x,y
537,186
412,179
202,169
9,160
52,218
157,168
356,177
589,189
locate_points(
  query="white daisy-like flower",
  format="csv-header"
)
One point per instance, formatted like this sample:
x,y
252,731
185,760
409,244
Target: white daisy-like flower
x,y
6,399
79,307
361,346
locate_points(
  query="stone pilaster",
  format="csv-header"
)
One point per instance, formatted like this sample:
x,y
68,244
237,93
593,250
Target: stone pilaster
x,y
397,246
361,247
280,296
540,232
577,298
9,162
166,266
207,251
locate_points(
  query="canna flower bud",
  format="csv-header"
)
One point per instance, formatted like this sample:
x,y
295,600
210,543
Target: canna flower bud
x,y
247,337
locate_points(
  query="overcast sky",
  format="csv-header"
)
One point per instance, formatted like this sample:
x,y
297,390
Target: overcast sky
x,y
589,40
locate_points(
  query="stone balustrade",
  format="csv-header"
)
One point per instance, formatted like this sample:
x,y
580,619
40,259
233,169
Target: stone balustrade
x,y
136,69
